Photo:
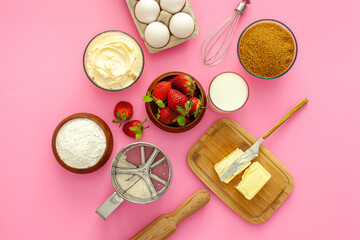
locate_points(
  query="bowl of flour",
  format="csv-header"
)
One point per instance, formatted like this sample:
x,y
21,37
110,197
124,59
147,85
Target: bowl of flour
x,y
82,143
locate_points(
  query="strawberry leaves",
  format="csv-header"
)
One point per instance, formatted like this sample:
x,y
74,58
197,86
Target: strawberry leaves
x,y
138,130
134,129
197,112
160,103
118,117
181,110
149,98
180,119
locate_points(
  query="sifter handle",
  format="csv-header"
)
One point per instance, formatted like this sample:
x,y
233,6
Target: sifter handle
x,y
109,205
195,202
286,117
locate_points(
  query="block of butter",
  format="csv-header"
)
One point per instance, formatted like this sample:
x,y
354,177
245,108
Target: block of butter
x,y
224,164
253,179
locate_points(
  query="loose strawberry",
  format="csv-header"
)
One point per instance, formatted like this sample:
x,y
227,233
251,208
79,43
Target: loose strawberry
x,y
166,116
134,128
197,106
183,83
176,99
159,93
123,111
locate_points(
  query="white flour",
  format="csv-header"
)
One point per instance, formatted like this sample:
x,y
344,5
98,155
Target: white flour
x,y
80,143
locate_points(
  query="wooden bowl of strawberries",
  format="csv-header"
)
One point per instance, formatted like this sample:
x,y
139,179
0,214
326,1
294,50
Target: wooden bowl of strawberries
x,y
175,102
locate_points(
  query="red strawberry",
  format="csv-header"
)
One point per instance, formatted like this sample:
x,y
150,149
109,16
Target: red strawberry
x,y
176,99
196,107
184,84
134,128
166,116
159,93
196,104
161,90
123,111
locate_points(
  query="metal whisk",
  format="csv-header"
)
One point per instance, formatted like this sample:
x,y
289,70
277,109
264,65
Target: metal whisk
x,y
210,53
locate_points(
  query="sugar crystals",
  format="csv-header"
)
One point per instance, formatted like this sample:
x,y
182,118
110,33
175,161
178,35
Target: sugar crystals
x,y
266,49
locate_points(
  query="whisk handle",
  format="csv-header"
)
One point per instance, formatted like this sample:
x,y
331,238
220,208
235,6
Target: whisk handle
x,y
241,6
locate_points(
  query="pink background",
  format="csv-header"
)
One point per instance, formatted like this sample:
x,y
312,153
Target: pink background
x,y
42,82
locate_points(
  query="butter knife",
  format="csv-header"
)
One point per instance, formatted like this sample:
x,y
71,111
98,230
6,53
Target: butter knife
x,y
253,151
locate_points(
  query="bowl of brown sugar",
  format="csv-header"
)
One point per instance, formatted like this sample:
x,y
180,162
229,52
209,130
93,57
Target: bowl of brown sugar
x,y
267,49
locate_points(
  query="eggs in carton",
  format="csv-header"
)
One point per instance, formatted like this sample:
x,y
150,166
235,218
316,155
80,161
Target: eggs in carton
x,y
163,23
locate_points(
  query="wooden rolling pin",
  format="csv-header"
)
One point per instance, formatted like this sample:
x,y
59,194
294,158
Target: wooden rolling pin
x,y
165,225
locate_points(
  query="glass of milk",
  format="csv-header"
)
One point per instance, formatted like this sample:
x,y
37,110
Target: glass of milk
x,y
228,92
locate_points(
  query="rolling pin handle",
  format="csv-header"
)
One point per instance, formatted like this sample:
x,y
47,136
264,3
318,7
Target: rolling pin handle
x,y
195,202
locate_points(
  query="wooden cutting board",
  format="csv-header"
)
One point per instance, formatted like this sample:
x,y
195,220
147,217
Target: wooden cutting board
x,y
220,140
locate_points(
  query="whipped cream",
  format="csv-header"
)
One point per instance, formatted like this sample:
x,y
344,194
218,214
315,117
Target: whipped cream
x,y
114,60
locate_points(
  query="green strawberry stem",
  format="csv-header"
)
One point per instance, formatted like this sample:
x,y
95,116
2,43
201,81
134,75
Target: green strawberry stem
x,y
121,122
120,118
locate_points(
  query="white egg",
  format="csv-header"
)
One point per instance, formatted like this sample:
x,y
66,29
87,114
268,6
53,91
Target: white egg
x,y
157,34
172,6
147,11
182,25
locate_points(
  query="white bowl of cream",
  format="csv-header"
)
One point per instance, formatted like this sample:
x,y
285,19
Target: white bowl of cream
x,y
113,60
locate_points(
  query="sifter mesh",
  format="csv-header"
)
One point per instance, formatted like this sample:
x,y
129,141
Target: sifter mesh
x,y
141,173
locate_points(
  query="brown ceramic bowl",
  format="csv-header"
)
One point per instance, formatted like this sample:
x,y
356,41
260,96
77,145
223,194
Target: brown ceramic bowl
x,y
108,149
151,108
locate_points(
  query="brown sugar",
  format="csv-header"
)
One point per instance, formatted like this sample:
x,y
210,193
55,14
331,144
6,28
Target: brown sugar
x,y
266,49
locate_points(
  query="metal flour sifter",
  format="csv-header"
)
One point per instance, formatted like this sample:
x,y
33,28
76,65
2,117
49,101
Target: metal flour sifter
x,y
140,173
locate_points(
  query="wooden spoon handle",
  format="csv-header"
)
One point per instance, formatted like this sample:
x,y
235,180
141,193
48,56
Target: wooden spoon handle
x,y
286,117
195,202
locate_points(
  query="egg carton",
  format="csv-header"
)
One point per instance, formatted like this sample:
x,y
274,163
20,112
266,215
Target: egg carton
x,y
164,17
